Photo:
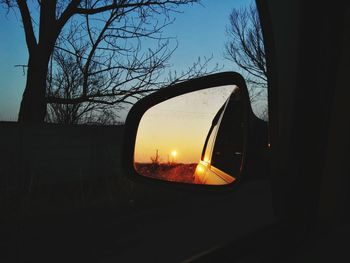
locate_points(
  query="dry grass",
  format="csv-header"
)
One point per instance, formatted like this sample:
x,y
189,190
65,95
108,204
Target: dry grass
x,y
168,172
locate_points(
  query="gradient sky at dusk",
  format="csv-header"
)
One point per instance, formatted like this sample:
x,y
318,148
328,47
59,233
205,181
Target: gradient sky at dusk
x,y
200,31
179,125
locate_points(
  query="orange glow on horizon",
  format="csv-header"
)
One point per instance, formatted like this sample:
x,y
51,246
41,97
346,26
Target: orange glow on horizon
x,y
179,125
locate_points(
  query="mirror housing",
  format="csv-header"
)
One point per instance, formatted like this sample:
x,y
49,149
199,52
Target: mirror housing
x,y
215,80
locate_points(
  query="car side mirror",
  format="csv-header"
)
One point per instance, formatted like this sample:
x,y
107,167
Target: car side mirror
x,y
194,132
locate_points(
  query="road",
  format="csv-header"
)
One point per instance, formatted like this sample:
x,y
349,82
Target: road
x,y
176,232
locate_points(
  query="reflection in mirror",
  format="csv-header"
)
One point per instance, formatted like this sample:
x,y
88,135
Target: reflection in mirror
x,y
195,138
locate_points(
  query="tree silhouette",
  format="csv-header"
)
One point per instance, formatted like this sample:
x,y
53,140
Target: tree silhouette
x,y
155,160
245,48
101,22
90,82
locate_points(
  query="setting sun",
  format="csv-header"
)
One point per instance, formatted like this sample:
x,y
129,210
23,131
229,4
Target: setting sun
x,y
173,153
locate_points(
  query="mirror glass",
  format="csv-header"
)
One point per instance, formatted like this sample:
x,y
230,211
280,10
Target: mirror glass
x,y
195,138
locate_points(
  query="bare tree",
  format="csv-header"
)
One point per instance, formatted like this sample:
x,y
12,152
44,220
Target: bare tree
x,y
100,19
156,159
92,78
245,48
65,83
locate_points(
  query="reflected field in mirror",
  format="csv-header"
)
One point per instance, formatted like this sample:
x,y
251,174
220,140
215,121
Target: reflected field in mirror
x,y
176,138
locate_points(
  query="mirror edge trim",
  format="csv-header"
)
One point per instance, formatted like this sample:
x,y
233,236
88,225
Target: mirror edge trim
x,y
136,112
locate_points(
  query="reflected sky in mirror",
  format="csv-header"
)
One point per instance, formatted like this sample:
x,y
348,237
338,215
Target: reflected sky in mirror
x,y
175,130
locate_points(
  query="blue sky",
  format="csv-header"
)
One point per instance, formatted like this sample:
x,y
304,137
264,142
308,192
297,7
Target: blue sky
x,y
200,31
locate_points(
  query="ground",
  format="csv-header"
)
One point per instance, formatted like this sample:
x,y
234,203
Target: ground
x,y
169,172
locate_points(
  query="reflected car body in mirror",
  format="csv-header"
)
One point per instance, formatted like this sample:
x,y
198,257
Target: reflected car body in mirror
x,y
193,132
222,154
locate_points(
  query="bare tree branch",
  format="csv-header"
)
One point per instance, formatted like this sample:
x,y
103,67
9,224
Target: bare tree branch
x,y
111,59
245,46
125,4
101,63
